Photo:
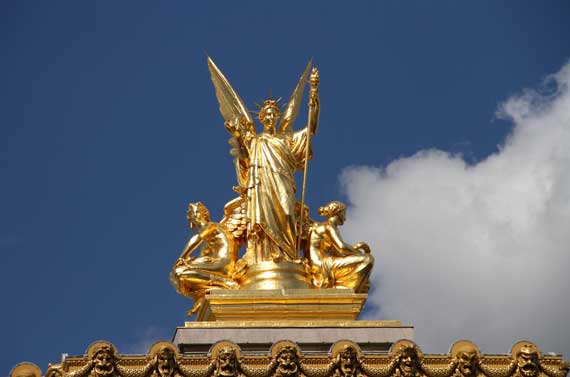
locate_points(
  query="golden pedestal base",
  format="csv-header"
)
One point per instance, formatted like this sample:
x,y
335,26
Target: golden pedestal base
x,y
272,276
282,305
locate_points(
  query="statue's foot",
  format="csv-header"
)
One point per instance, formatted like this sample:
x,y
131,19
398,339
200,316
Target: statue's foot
x,y
196,307
232,284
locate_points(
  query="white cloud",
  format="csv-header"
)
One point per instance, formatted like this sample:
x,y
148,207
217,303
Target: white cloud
x,y
476,251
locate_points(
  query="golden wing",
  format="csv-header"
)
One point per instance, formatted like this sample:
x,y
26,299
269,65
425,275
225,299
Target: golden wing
x,y
231,105
294,104
235,220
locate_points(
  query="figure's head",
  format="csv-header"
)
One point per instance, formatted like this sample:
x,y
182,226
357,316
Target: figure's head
x,y
165,361
26,370
226,362
104,360
197,214
466,356
269,114
348,361
332,209
287,360
408,358
527,360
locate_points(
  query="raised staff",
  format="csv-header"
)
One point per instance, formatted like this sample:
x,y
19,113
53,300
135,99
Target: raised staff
x,y
314,107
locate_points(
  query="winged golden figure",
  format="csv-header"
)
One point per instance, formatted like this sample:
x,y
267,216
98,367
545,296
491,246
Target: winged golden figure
x,y
264,216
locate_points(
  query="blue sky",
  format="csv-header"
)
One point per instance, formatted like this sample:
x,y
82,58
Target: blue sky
x,y
110,127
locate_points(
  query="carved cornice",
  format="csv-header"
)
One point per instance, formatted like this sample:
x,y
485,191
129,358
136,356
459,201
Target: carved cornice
x,y
286,359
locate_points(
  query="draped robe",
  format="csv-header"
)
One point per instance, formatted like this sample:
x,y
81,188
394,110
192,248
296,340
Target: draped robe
x,y
267,175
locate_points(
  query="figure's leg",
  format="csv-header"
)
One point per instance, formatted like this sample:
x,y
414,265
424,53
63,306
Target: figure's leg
x,y
222,281
198,298
199,279
196,284
352,271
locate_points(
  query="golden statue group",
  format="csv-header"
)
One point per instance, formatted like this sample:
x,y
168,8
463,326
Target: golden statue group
x,y
296,279
267,272
283,247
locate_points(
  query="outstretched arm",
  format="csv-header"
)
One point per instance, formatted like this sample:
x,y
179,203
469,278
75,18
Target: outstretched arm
x,y
314,102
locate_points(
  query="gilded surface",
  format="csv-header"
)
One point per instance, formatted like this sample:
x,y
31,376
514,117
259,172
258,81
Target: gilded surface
x,y
281,306
26,370
194,276
283,247
335,263
286,359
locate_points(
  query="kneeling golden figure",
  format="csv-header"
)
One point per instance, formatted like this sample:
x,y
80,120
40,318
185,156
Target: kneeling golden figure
x,y
334,263
195,276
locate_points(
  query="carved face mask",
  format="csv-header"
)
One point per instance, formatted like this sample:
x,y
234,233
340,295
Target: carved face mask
x,y
527,362
348,362
407,363
287,361
467,362
165,363
226,363
104,363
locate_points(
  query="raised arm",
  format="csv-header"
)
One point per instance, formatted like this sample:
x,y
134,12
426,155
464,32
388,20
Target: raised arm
x,y
314,102
241,132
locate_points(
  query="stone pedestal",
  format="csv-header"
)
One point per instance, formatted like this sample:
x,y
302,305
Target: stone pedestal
x,y
256,337
312,318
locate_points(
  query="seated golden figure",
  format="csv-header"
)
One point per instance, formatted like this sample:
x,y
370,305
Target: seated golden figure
x,y
195,276
334,263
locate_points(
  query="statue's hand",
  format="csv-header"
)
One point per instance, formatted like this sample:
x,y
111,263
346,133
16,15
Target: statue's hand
x,y
243,124
153,362
314,99
362,246
184,262
180,262
314,81
232,127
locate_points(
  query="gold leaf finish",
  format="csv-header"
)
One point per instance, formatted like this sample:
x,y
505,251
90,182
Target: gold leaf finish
x,y
283,248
